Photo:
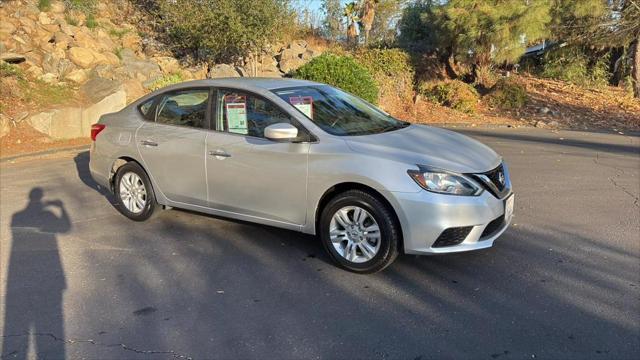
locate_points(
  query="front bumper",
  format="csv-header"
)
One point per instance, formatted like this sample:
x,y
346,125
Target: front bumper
x,y
424,216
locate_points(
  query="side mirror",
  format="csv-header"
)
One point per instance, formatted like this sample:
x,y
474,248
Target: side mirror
x,y
281,131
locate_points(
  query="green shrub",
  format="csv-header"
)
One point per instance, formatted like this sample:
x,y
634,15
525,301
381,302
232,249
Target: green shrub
x,y
389,62
507,93
85,6
91,22
118,33
44,5
574,65
342,72
392,69
7,70
165,81
220,31
71,20
454,94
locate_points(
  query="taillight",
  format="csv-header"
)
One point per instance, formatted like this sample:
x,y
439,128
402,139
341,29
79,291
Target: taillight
x,y
95,130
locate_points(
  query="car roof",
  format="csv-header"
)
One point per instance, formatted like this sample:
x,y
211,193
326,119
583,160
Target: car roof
x,y
257,85
249,83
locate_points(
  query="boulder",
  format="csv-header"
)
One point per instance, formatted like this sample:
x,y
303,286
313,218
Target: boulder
x,y
49,78
111,58
78,76
44,19
57,7
12,58
82,57
27,25
62,39
98,88
5,125
298,46
134,90
105,71
84,39
131,40
310,54
65,66
50,63
135,68
65,123
167,64
7,28
111,103
289,64
74,122
197,72
34,72
223,70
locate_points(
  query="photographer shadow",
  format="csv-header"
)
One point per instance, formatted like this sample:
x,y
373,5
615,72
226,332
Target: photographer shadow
x,y
35,280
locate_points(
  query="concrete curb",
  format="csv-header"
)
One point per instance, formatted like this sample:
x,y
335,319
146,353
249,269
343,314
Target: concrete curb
x,y
46,152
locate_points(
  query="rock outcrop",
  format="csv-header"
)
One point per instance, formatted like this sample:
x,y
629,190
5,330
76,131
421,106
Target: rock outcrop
x,y
107,65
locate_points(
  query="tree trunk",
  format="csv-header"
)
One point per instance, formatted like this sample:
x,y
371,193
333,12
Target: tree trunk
x,y
635,67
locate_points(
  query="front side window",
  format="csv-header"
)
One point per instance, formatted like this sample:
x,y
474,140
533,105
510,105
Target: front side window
x,y
244,113
338,112
184,108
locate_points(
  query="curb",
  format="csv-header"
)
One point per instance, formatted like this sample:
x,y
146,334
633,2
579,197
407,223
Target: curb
x,y
46,152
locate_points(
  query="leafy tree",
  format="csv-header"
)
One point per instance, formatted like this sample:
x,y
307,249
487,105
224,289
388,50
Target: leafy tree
x,y
332,23
384,27
351,14
479,32
223,30
367,15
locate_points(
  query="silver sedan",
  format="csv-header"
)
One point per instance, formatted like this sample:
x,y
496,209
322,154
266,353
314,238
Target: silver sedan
x,y
307,157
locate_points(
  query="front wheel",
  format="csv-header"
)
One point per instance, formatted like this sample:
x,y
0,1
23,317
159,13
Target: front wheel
x,y
359,232
134,193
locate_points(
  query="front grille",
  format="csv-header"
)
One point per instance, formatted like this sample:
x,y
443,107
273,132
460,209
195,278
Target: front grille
x,y
495,175
495,181
452,236
492,227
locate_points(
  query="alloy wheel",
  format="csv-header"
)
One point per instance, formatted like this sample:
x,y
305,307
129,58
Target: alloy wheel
x,y
355,234
133,193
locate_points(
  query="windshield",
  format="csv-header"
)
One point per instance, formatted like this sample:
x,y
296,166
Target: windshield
x,y
338,112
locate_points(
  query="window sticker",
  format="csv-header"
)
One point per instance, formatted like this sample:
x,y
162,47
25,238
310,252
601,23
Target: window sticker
x,y
304,104
236,106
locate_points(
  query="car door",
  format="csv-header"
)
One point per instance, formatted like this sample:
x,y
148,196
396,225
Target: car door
x,y
172,144
248,174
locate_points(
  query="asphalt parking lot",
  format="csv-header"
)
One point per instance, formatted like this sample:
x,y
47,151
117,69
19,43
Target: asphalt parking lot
x,y
79,280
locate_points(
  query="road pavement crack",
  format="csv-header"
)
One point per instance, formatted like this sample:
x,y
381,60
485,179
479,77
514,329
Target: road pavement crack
x,y
612,180
170,353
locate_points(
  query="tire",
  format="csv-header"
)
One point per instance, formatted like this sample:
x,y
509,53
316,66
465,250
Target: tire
x,y
359,258
133,171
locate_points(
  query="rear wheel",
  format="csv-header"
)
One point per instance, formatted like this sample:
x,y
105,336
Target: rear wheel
x,y
134,193
359,232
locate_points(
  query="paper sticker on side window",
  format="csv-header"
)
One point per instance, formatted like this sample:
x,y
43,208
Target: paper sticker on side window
x,y
304,104
236,109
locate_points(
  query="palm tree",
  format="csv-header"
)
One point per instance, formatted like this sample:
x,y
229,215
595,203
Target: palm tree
x,y
368,11
351,13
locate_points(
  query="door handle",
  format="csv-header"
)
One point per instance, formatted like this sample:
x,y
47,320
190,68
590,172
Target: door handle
x,y
148,143
219,153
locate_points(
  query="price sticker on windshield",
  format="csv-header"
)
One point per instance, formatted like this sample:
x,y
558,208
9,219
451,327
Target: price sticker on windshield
x,y
304,104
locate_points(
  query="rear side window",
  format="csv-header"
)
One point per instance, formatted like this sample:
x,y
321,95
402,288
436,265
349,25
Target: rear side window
x,y
184,108
145,109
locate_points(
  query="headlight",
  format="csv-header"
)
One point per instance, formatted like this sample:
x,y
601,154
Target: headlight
x,y
443,182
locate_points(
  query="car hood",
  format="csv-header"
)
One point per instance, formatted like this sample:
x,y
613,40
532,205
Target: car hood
x,y
426,145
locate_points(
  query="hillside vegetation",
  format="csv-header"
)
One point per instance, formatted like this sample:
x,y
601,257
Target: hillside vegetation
x,y
63,63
